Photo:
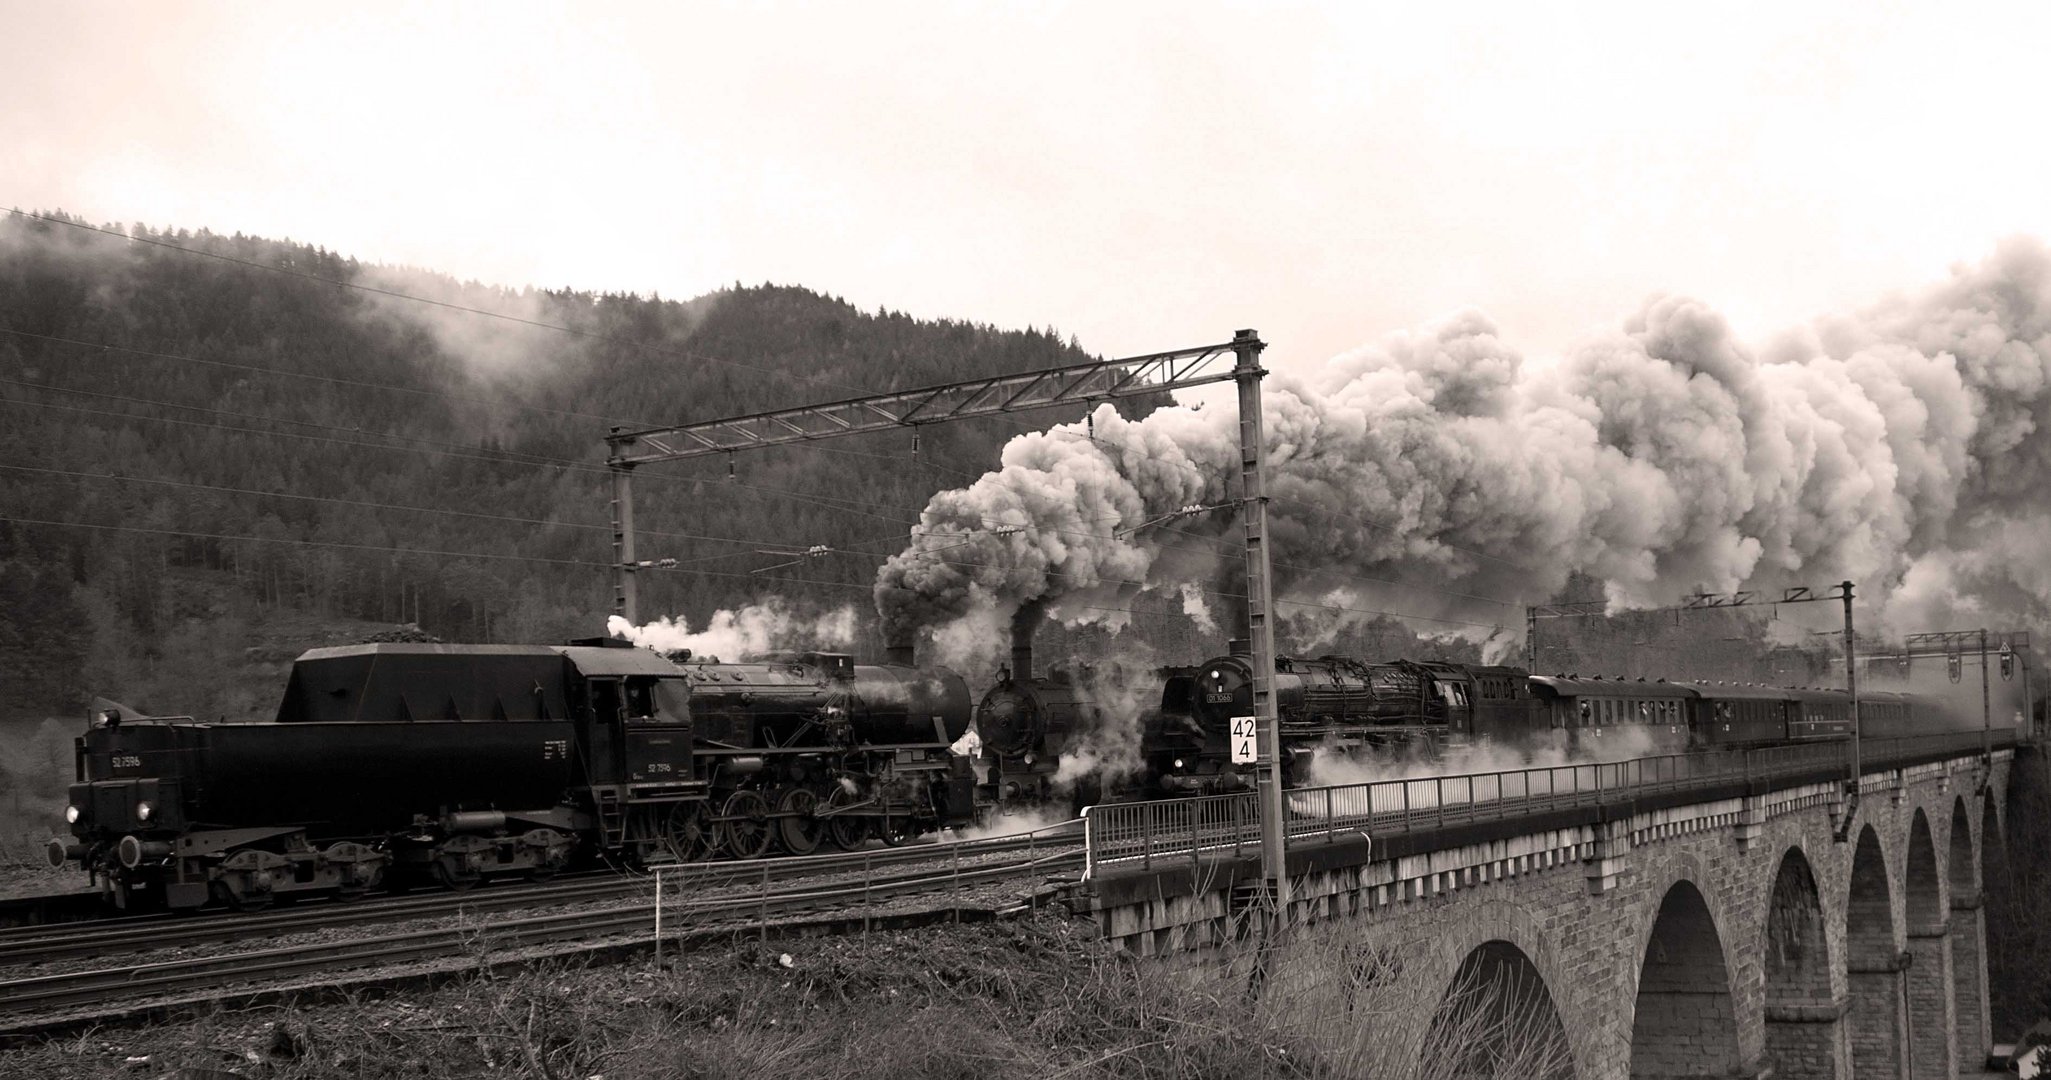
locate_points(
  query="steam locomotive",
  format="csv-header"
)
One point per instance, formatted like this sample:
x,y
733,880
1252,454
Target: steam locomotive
x,y
1390,710
403,763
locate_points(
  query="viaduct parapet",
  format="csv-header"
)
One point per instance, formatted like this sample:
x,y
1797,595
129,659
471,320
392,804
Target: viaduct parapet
x,y
1778,929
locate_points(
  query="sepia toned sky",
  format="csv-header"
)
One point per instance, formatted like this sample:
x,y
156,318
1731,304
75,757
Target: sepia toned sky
x,y
1144,176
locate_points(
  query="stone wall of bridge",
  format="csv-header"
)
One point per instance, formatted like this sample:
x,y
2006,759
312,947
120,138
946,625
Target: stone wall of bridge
x,y
1791,932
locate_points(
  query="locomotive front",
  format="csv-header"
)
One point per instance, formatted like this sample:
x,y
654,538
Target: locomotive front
x,y
1025,726
130,802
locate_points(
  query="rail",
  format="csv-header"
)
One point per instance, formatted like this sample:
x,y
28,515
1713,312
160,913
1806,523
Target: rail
x,y
967,861
1145,834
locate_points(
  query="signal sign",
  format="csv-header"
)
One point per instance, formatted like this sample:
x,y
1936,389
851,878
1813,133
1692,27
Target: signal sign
x,y
1245,740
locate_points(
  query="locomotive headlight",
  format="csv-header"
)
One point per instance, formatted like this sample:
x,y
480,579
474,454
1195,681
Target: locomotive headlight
x,y
1028,759
1178,763
143,811
71,815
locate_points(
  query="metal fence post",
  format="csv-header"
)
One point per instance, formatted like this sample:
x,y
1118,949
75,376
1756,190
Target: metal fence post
x,y
658,917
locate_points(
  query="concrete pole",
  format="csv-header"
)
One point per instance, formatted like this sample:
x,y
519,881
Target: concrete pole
x,y
1986,707
1531,639
625,592
1851,684
1260,628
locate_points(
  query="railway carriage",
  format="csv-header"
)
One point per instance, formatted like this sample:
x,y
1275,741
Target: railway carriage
x,y
1608,718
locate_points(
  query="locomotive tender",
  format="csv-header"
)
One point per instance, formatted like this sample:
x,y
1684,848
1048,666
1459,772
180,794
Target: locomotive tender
x,y
406,762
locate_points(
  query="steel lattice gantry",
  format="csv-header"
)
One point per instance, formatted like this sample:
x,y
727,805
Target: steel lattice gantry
x,y
1076,384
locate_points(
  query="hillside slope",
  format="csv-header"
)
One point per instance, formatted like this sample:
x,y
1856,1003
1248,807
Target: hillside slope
x,y
214,438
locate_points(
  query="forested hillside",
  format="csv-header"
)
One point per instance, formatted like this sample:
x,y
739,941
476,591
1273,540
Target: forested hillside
x,y
217,441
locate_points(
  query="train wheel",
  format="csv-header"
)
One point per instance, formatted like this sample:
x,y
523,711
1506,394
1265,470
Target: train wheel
x,y
744,828
796,827
242,900
452,875
847,831
686,833
896,829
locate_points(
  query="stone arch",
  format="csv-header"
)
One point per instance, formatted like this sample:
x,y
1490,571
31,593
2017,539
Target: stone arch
x,y
1927,979
1497,1018
1873,963
1370,999
1804,1033
1684,1022
1968,937
2005,1022
1993,845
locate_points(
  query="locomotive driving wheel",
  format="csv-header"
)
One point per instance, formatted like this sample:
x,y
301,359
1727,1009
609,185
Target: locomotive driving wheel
x,y
896,827
686,832
744,825
796,828
847,831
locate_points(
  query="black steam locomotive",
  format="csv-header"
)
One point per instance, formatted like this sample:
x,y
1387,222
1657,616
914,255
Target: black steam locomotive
x,y
401,763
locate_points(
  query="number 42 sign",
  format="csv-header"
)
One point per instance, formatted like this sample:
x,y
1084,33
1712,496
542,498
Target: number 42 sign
x,y
1245,730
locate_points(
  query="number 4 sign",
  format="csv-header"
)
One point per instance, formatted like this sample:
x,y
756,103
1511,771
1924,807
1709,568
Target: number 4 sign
x,y
1244,732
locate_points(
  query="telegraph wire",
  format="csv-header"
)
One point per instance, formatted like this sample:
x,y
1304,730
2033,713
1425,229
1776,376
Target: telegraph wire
x,y
588,564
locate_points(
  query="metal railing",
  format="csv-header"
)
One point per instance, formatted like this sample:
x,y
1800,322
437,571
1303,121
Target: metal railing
x,y
1149,834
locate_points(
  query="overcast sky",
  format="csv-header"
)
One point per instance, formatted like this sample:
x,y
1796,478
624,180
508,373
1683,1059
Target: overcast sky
x,y
1143,176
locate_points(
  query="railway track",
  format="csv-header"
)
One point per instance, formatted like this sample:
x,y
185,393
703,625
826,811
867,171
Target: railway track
x,y
22,946
138,983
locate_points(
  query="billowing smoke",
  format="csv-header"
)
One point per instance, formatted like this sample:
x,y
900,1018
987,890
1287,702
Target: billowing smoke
x,y
741,633
1435,475
1108,750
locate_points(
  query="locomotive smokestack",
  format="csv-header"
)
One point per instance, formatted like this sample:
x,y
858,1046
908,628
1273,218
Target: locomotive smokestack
x,y
901,651
1024,625
1240,646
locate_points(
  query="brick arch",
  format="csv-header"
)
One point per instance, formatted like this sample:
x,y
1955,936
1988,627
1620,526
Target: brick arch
x,y
1804,1037
1872,961
1922,883
1931,1021
1993,843
1684,1017
1497,1017
1510,924
1968,936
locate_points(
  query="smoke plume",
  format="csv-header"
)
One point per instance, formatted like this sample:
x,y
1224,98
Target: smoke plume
x,y
1435,474
742,633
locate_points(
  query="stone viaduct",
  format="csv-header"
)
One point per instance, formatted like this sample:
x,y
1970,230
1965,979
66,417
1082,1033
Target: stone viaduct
x,y
1789,931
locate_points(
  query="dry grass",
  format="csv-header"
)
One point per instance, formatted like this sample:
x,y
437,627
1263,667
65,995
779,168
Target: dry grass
x,y
1033,1000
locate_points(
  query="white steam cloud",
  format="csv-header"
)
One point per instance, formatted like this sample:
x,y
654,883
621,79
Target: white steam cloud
x,y
1903,448
741,633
